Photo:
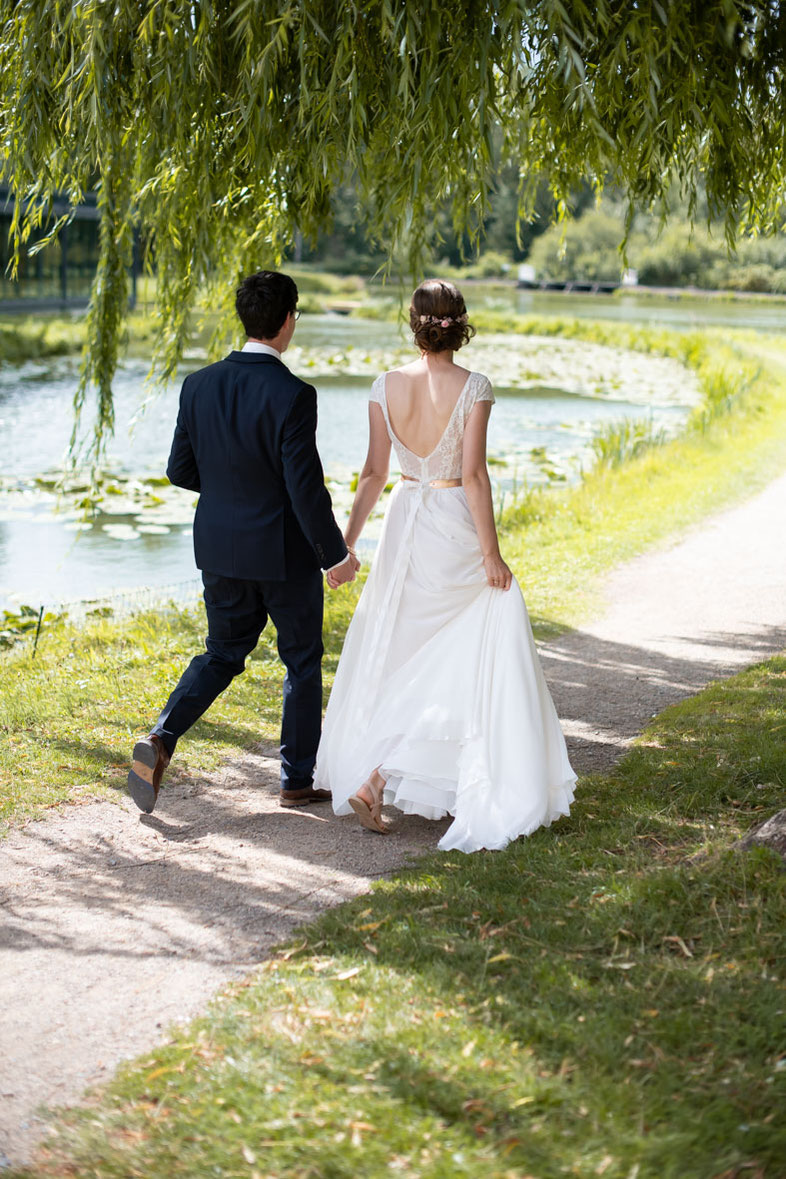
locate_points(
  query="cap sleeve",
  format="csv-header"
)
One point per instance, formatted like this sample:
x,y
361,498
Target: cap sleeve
x,y
484,392
377,393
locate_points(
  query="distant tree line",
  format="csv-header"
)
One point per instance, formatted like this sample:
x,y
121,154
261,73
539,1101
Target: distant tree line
x,y
673,255
587,247
350,245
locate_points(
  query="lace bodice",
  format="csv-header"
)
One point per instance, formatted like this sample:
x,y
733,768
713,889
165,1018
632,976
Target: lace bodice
x,y
444,462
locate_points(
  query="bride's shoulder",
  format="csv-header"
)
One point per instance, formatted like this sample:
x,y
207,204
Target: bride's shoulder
x,y
395,378
405,370
481,387
378,389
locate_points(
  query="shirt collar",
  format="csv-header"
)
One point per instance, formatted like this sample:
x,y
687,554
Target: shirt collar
x,y
255,346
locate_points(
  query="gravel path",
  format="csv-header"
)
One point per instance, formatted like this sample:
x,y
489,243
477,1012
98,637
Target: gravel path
x,y
114,926
676,618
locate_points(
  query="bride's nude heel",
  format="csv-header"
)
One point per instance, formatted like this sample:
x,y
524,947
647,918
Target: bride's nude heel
x,y
370,815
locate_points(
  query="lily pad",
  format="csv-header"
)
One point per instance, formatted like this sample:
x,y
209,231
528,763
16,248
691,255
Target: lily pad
x,y
121,531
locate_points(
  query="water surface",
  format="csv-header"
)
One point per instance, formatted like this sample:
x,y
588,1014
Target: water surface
x,y
552,396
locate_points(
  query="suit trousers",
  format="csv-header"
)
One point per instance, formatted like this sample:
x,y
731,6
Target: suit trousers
x,y
237,613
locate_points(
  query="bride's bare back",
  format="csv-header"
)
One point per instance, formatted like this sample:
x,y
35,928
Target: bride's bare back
x,y
421,401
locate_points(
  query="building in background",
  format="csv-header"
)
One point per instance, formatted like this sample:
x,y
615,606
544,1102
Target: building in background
x,y
58,277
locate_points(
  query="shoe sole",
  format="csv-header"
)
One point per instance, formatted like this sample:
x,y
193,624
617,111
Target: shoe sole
x,y
286,802
363,812
140,776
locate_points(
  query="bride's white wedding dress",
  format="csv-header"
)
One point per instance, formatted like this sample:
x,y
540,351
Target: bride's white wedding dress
x,y
439,683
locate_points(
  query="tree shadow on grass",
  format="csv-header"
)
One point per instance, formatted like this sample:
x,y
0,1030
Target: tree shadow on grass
x,y
601,1004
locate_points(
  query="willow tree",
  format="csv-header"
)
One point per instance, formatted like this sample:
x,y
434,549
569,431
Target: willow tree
x,y
220,128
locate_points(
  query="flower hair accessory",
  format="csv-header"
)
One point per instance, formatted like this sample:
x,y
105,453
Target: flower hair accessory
x,y
444,320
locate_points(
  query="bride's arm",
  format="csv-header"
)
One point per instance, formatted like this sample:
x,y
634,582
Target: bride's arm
x,y
477,485
373,477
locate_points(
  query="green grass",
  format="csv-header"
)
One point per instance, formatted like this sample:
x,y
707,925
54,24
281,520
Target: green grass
x,y
69,716
560,544
44,335
603,998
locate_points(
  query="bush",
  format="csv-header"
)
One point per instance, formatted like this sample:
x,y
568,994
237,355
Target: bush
x,y
319,282
491,264
758,276
22,339
587,249
678,258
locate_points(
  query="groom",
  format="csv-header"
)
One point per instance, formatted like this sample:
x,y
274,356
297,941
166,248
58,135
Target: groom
x,y
264,529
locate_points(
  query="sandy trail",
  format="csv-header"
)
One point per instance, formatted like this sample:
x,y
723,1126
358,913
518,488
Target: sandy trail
x,y
114,926
702,608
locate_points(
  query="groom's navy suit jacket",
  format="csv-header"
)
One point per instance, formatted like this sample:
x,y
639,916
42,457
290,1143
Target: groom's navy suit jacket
x,y
246,441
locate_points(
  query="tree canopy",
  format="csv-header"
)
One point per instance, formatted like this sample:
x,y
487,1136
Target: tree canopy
x,y
220,128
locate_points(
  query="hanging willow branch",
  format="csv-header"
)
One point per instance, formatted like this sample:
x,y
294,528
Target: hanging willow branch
x,y
219,128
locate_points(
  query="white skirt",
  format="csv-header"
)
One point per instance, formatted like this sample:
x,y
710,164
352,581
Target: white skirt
x,y
439,685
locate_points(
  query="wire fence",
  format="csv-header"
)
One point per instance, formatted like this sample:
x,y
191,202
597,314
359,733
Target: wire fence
x,y
31,623
122,603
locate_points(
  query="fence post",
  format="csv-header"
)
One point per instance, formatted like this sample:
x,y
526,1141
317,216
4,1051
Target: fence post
x,y
38,630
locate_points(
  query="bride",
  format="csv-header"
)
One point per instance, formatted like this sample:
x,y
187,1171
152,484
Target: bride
x,y
439,704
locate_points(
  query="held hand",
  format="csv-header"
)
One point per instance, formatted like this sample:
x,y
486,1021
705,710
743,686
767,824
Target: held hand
x,y
498,574
345,573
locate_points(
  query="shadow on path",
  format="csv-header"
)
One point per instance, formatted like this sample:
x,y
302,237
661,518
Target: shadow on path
x,y
606,692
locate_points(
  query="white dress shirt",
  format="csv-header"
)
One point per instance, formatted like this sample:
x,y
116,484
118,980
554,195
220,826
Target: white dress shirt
x,y
258,346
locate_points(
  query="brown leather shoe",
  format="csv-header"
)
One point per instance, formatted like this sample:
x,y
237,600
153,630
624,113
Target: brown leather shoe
x,y
147,770
303,797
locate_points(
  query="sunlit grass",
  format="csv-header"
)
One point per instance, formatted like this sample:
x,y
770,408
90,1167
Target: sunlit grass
x,y
603,998
560,543
619,442
69,716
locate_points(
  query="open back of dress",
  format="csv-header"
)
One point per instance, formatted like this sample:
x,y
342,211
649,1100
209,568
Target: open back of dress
x,y
444,461
439,683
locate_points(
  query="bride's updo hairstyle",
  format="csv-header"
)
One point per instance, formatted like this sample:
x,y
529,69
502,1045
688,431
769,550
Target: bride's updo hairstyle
x,y
438,317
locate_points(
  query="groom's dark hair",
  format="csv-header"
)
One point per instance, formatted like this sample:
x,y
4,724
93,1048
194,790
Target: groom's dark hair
x,y
263,301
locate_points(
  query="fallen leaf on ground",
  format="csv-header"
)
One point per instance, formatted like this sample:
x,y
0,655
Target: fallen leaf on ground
x,y
677,940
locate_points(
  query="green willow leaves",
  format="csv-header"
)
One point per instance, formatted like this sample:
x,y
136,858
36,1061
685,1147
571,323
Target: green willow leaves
x,y
218,128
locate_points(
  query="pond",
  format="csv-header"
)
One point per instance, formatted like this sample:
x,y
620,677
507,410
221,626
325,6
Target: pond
x,y
675,312
552,397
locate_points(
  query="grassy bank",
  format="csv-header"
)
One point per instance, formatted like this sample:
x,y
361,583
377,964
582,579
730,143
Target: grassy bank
x,y
605,998
735,442
69,716
45,335
32,338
